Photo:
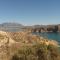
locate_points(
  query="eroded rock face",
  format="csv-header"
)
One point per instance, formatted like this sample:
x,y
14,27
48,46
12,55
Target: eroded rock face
x,y
47,28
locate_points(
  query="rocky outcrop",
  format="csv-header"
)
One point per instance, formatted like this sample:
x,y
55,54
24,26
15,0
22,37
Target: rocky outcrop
x,y
47,28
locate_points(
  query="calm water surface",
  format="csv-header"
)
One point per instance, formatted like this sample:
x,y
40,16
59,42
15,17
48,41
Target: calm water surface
x,y
50,35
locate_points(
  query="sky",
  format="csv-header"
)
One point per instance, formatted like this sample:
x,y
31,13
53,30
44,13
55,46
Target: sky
x,y
30,12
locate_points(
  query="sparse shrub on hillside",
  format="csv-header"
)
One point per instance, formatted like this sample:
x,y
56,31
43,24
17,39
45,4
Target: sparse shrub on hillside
x,y
38,52
15,57
54,52
36,48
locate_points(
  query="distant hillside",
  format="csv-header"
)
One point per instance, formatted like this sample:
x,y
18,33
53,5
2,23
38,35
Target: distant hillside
x,y
44,28
15,27
12,27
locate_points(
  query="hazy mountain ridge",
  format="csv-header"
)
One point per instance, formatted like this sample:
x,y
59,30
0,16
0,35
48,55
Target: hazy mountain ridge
x,y
11,27
15,27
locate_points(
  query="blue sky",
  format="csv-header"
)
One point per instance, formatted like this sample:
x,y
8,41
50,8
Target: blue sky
x,y
30,12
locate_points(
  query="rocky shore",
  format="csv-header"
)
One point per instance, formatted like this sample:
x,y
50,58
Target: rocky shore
x,y
43,28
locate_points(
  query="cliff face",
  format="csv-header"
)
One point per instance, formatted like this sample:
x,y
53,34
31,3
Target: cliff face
x,y
47,28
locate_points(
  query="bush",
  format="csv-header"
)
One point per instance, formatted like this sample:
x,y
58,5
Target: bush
x,y
37,52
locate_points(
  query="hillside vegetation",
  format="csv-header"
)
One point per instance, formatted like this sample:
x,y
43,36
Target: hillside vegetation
x,y
25,46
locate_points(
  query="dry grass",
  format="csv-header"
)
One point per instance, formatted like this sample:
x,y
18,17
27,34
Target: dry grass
x,y
29,47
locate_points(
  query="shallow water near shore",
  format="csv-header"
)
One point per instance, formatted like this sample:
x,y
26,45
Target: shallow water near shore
x,y
50,35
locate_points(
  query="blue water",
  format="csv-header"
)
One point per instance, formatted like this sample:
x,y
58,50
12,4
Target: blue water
x,y
50,35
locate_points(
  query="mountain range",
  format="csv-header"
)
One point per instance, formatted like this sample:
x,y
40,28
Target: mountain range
x,y
12,27
15,27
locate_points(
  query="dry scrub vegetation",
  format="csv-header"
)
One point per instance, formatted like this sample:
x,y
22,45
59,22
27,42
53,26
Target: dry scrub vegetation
x,y
25,46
